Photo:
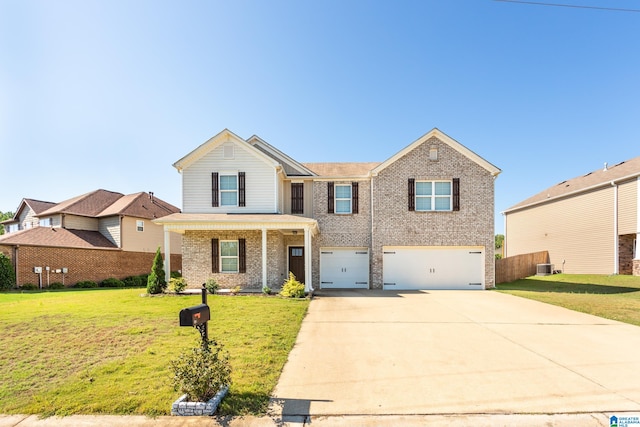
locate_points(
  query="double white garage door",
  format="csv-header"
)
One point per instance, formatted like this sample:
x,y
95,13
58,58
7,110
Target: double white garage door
x,y
405,267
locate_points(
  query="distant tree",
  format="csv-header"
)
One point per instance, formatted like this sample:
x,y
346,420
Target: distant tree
x,y
156,283
7,274
4,216
499,244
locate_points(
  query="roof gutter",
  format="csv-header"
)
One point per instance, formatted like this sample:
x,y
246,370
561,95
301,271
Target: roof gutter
x,y
573,193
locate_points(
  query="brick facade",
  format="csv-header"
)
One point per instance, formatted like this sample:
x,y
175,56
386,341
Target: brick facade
x,y
394,224
82,264
625,254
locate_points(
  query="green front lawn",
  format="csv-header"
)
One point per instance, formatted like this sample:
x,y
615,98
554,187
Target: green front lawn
x,y
611,297
106,351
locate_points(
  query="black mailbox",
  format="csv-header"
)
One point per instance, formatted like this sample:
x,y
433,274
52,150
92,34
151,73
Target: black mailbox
x,y
196,315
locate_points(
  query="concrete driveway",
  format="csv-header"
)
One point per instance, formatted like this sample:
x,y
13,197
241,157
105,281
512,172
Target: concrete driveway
x,y
456,352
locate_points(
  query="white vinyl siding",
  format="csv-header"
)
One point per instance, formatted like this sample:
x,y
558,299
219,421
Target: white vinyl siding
x,y
260,184
578,230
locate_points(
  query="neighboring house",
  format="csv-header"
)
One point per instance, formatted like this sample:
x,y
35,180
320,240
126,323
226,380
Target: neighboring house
x,y
422,219
589,224
93,236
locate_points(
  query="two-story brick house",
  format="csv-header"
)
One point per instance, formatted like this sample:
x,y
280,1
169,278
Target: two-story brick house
x,y
423,219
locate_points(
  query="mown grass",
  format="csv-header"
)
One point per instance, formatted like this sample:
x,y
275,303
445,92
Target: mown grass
x,y
107,351
612,297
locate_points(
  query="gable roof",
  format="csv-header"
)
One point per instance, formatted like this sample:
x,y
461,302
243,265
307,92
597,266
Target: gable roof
x,y
37,206
345,170
139,205
58,237
224,136
88,204
622,171
290,166
435,132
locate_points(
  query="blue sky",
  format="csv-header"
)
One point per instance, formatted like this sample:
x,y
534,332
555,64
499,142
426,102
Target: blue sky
x,y
108,94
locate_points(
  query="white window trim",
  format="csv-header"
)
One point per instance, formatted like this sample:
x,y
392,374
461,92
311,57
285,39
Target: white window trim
x,y
237,256
220,190
433,196
139,225
44,222
336,199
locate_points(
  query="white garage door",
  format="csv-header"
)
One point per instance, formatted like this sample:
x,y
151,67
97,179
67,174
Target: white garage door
x,y
433,267
344,268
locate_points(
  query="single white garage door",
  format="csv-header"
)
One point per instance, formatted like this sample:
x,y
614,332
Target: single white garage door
x,y
344,268
433,267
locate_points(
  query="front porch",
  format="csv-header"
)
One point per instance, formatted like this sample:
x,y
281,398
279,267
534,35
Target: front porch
x,y
246,250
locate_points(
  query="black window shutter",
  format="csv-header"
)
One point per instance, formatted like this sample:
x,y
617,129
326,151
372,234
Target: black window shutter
x,y
456,194
242,256
354,197
241,187
214,189
330,197
412,194
297,198
215,267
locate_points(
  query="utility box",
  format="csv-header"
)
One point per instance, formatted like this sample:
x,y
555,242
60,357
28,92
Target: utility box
x,y
37,270
194,316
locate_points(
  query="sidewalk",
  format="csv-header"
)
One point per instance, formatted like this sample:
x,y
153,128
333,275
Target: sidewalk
x,y
480,420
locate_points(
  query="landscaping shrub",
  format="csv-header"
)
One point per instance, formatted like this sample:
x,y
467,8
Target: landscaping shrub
x,y
178,284
266,290
135,281
212,285
7,274
112,282
156,283
28,287
84,284
56,285
175,274
292,288
200,372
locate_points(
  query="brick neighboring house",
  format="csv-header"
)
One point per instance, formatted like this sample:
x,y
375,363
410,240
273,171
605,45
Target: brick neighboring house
x,y
589,224
422,219
93,236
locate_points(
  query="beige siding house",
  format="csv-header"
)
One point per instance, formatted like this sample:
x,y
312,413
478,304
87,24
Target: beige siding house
x,y
589,224
422,219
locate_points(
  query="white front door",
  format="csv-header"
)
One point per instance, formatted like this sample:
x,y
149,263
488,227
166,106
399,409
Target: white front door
x,y
433,267
344,268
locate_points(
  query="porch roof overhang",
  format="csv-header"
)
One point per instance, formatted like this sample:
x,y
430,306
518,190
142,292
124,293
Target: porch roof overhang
x,y
182,222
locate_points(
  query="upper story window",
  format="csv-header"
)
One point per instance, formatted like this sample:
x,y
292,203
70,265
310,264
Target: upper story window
x,y
139,225
45,222
297,198
228,190
425,196
12,228
342,198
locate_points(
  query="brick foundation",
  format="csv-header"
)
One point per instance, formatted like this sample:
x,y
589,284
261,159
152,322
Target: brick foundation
x,y
636,267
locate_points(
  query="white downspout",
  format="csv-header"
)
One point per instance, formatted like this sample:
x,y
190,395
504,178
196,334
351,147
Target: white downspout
x,y
308,277
264,257
167,255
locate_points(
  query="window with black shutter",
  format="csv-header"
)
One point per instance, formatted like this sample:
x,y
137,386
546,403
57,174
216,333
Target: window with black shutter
x,y
297,198
242,256
456,194
354,197
214,190
215,266
241,189
330,197
412,194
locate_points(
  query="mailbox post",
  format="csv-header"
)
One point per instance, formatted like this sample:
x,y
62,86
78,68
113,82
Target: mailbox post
x,y
198,316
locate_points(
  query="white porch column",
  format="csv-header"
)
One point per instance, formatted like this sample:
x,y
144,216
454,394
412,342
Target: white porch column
x,y
264,257
308,277
167,255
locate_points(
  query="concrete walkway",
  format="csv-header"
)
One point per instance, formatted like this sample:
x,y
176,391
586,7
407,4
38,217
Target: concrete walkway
x,y
469,353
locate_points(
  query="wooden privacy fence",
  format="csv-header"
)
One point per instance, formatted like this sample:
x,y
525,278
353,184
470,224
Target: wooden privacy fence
x,y
519,266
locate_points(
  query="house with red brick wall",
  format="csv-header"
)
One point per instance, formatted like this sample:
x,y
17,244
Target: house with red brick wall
x,y
93,236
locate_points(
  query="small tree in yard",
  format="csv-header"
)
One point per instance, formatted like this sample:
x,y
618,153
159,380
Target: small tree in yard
x,y
7,275
156,283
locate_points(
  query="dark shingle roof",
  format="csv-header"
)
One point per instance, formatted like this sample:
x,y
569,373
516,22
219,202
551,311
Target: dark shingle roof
x,y
58,237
